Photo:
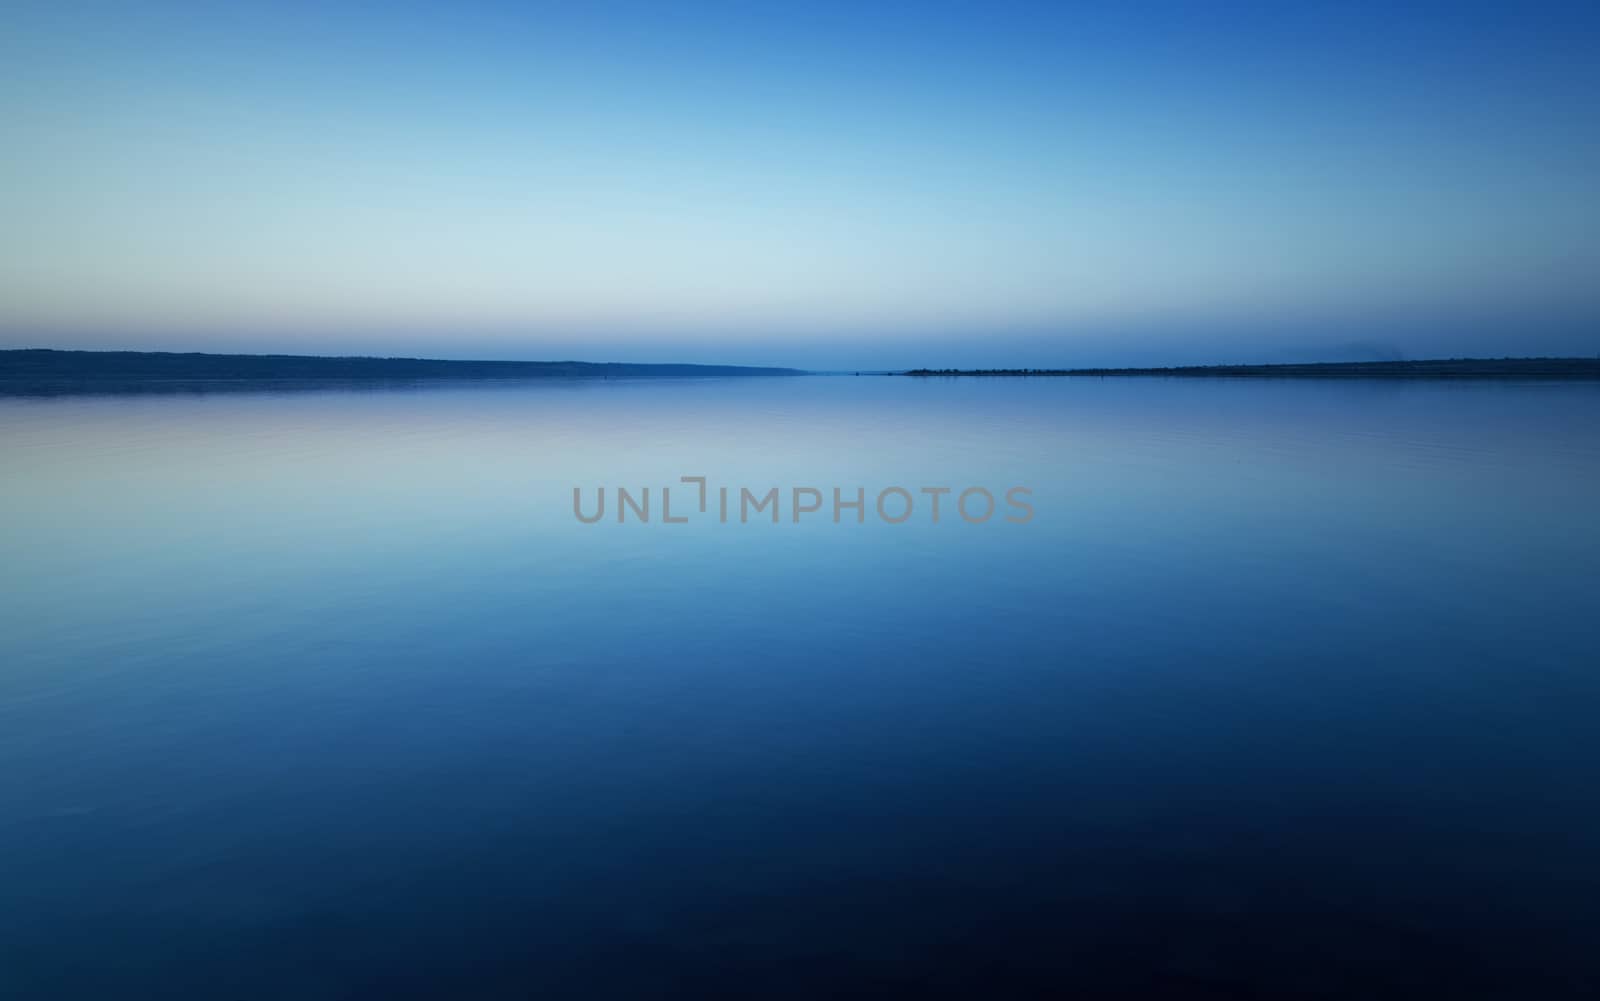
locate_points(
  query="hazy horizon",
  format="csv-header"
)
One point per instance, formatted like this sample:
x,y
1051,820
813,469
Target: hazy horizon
x,y
1153,347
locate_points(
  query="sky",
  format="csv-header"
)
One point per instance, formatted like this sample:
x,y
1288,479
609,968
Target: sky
x,y
827,185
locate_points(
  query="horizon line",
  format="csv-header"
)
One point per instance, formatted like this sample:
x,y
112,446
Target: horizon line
x,y
415,367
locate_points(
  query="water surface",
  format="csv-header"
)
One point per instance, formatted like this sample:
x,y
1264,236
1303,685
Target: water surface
x,y
1287,689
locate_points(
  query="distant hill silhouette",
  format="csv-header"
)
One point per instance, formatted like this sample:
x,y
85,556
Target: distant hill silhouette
x,y
1443,368
34,370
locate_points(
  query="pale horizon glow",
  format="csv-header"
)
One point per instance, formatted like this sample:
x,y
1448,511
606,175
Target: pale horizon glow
x,y
826,186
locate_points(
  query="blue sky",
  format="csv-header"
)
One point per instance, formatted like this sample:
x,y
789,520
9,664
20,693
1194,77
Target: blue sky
x,y
827,185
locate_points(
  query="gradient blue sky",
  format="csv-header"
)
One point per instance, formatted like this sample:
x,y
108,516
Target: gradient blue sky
x,y
819,184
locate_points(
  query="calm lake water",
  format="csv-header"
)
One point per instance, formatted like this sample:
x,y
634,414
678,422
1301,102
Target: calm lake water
x,y
1288,689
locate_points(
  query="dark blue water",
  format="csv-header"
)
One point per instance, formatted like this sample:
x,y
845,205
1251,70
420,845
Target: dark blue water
x,y
1288,689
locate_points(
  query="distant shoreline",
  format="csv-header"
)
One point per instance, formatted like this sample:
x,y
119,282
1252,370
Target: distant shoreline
x,y
49,371
1443,368
31,369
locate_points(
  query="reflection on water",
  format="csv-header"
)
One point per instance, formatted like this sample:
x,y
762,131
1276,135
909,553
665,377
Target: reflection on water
x,y
1286,690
